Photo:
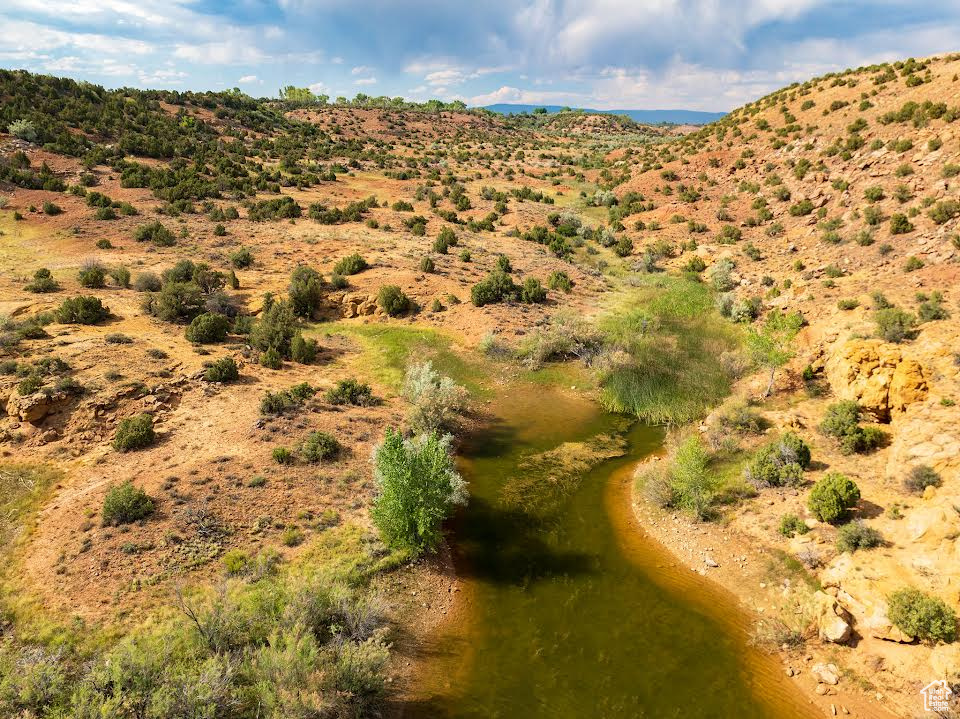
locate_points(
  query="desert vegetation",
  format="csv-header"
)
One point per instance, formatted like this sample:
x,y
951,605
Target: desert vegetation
x,y
239,302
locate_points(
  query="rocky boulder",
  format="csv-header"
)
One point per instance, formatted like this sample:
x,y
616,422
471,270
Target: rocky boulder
x,y
877,376
356,304
929,434
833,621
878,625
34,407
826,673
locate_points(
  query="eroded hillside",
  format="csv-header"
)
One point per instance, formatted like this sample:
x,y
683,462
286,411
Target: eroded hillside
x,y
254,278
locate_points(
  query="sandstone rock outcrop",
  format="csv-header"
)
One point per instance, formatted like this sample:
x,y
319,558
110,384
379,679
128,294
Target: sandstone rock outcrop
x,y
34,407
356,304
833,621
878,376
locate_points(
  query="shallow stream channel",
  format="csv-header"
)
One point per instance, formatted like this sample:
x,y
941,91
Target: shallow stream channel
x,y
568,609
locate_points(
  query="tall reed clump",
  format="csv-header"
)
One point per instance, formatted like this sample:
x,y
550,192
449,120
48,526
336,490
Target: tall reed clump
x,y
669,354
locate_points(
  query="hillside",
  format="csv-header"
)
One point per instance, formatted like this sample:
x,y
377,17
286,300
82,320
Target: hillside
x,y
647,117
255,278
838,198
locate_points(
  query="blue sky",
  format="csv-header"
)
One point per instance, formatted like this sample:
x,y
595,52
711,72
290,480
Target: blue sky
x,y
626,54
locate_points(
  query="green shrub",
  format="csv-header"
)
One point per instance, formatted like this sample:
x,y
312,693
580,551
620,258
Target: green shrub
x,y
944,211
242,258
292,537
277,403
435,400
804,207
156,233
532,291
175,302
207,328
282,455
126,503
134,433
780,463
271,358
223,370
24,130
912,263
350,265
92,275
496,287
147,282
426,264
349,391
82,310
42,282
791,525
392,301
418,486
559,280
303,350
319,447
275,328
920,477
857,535
899,224
841,421
895,325
692,483
832,497
236,562
50,208
922,616
306,291
121,277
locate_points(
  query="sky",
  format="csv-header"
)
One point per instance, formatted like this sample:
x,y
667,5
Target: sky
x,y
710,55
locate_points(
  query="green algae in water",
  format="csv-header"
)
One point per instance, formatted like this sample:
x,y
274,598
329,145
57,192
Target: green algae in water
x,y
565,624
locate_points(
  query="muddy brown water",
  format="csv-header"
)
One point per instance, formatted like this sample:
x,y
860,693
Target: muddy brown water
x,y
570,610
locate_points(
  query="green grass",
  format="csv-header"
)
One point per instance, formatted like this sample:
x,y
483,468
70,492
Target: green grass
x,y
673,335
347,554
23,489
388,349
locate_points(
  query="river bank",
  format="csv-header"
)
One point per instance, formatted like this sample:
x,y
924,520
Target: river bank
x,y
756,579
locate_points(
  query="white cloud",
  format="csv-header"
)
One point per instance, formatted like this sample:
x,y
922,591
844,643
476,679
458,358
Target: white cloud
x,y
361,70
227,52
365,81
249,80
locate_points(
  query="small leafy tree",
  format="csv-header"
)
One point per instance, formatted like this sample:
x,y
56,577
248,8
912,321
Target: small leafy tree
x,y
832,497
392,300
319,447
82,310
275,329
418,487
306,291
770,346
922,616
126,503
208,327
134,433
223,370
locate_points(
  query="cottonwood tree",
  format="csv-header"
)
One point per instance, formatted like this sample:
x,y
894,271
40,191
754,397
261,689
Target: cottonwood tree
x,y
419,486
770,347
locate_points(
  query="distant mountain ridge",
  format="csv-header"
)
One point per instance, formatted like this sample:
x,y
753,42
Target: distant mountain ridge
x,y
648,117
